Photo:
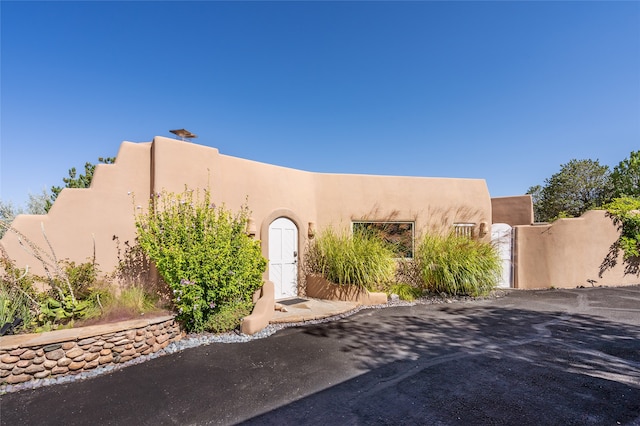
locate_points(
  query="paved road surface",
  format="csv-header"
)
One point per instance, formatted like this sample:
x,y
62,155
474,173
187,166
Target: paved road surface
x,y
558,357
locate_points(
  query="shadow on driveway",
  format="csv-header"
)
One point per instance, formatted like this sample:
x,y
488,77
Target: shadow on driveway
x,y
478,365
565,357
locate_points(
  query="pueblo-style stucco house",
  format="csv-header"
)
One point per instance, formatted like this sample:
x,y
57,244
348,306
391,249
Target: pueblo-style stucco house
x,y
288,207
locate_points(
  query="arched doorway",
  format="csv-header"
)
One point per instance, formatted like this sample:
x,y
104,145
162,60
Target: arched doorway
x,y
283,257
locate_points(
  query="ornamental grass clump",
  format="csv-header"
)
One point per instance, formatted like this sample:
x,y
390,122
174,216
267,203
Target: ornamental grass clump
x,y
458,265
18,299
361,259
203,253
15,305
405,291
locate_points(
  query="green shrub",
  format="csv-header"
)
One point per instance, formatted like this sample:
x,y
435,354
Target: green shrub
x,y
405,291
55,312
625,212
228,318
82,277
15,304
74,295
202,252
18,298
361,259
11,276
458,265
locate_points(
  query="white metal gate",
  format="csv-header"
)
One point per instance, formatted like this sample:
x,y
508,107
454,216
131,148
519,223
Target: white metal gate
x,y
283,257
502,239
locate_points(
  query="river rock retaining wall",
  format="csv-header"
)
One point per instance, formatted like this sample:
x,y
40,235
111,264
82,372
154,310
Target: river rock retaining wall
x,y
71,351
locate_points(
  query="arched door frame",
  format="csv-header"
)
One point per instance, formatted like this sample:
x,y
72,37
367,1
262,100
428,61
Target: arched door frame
x,y
264,237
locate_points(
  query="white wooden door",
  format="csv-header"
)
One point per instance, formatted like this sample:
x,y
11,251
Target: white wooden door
x,y
501,238
283,257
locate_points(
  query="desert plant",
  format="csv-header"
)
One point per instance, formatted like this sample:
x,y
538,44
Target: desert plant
x,y
458,265
361,259
12,276
74,295
81,277
405,291
18,298
137,299
202,252
228,318
76,290
15,304
72,290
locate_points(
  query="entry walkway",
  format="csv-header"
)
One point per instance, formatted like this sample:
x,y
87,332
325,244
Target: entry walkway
x,y
307,309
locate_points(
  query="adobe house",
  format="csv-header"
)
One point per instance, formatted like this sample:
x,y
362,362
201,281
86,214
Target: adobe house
x,y
288,207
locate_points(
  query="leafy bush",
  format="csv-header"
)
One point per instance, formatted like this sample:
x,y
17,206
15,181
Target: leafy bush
x,y
202,252
82,279
11,276
361,259
228,318
44,311
74,295
458,265
54,312
625,212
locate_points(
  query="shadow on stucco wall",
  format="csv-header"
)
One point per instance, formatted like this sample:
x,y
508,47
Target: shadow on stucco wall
x,y
631,264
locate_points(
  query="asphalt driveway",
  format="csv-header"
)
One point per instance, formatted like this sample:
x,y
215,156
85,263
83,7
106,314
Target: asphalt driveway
x,y
530,358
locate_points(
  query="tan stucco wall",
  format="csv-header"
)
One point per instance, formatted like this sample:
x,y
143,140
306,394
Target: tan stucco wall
x,y
568,253
80,216
516,210
106,209
435,204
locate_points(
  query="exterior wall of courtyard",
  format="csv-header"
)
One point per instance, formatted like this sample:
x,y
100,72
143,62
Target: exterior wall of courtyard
x,y
82,219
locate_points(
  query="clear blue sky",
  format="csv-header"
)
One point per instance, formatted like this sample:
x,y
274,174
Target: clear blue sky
x,y
505,91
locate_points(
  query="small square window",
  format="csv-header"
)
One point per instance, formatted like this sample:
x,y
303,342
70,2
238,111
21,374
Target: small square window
x,y
464,229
